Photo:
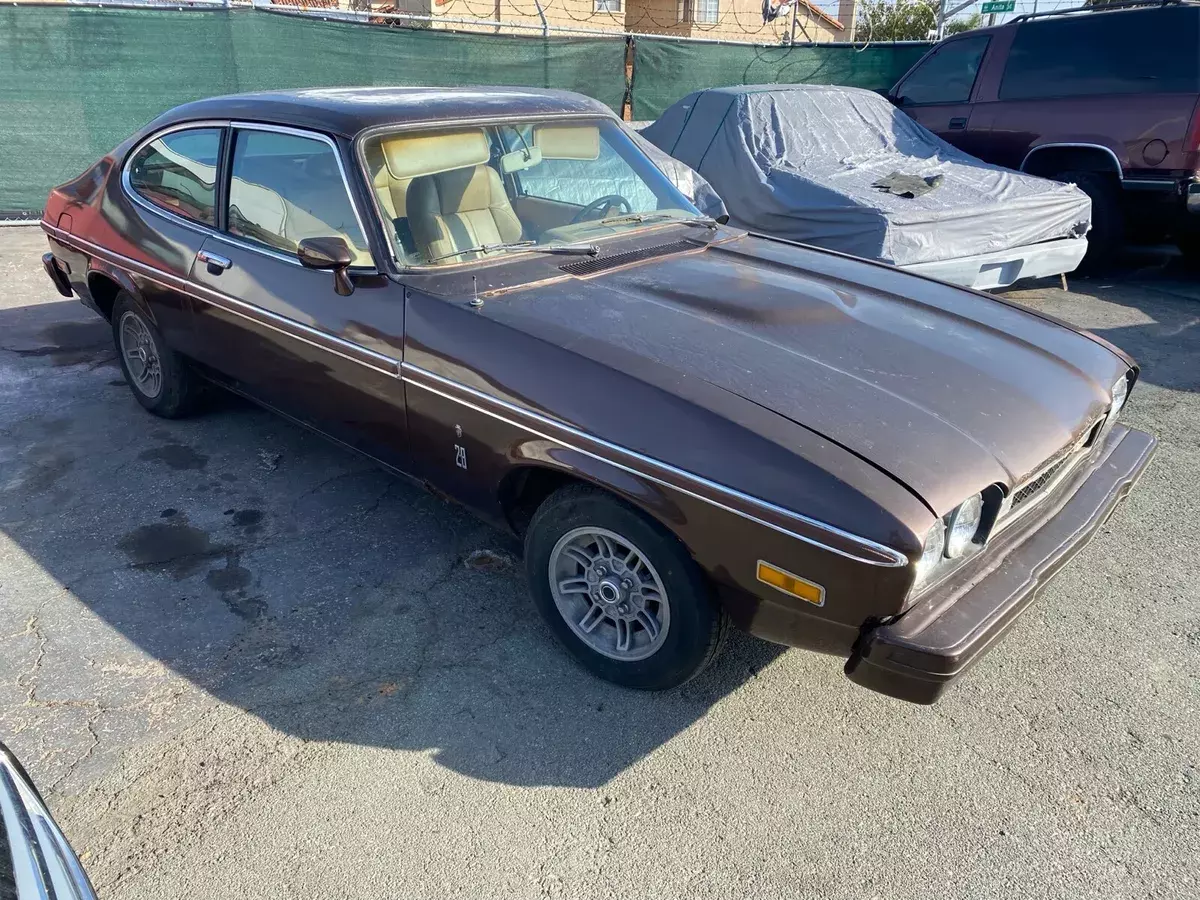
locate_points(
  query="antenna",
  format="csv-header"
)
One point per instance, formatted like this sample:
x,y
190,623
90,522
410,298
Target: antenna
x,y
476,303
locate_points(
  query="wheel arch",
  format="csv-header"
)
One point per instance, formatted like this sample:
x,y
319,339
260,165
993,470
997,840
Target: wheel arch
x,y
1048,159
539,468
105,283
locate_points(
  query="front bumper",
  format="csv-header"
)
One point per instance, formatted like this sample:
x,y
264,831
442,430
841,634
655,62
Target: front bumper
x,y
917,656
1000,268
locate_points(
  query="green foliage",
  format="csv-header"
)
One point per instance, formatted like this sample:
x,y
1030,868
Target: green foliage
x,y
970,23
896,20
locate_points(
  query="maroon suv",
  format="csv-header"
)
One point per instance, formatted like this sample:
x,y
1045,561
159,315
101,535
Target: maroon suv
x,y
1105,99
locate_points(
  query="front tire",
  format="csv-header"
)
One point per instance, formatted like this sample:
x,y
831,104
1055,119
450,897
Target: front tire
x,y
158,377
620,592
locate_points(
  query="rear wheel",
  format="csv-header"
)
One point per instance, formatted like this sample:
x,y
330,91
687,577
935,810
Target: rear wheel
x,y
620,592
1108,219
157,375
1189,245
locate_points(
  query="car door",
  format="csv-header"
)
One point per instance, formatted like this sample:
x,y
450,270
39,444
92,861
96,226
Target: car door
x,y
937,93
280,332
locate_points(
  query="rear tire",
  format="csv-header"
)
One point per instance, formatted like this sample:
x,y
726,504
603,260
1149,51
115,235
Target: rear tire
x,y
1108,218
1189,245
594,563
158,376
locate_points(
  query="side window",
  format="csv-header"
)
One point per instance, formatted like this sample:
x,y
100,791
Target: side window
x,y
1151,51
284,188
947,76
178,172
580,181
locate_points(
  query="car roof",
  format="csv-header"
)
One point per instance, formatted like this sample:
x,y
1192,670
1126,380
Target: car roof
x,y
741,90
348,110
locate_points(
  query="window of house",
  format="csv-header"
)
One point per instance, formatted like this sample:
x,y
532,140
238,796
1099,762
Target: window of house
x,y
178,172
609,6
1117,53
947,76
700,12
284,188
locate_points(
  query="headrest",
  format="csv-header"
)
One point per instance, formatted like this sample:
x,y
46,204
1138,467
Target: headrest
x,y
567,141
410,155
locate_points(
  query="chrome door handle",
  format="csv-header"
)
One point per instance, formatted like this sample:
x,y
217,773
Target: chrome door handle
x,y
214,262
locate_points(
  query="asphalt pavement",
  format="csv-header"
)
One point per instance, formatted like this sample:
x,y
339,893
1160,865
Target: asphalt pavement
x,y
244,663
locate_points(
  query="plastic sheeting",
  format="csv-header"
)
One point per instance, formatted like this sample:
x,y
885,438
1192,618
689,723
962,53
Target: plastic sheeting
x,y
800,162
690,182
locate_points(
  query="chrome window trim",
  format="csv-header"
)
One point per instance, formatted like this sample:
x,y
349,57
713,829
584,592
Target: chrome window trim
x,y
332,144
131,192
897,558
1108,150
225,237
405,372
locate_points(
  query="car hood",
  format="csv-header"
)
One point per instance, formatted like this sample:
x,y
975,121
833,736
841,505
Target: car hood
x,y
944,389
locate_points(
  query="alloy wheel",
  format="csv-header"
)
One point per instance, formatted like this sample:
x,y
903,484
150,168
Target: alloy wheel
x,y
609,594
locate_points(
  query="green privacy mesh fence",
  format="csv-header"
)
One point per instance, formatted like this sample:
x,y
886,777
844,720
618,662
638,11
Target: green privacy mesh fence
x,y
666,70
75,82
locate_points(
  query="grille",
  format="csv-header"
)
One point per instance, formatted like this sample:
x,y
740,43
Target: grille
x,y
1032,488
600,263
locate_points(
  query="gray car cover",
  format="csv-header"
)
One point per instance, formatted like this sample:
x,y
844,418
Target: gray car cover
x,y
801,162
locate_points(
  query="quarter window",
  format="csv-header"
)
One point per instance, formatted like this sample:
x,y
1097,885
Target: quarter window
x,y
947,76
178,172
1152,51
284,188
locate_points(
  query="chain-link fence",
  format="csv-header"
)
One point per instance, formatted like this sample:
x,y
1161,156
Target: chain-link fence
x,y
76,80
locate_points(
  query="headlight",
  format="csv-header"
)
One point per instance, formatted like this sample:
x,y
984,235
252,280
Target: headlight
x,y
931,553
964,525
1120,392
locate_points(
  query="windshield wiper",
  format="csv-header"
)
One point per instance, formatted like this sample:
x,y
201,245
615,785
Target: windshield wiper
x,y
651,217
565,249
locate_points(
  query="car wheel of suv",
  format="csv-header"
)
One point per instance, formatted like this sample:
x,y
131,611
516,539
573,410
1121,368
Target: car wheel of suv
x,y
1108,220
158,377
1189,245
620,592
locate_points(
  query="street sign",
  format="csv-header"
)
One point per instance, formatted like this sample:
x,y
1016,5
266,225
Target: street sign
x,y
999,6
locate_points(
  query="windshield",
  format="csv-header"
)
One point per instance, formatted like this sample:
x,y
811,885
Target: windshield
x,y
453,195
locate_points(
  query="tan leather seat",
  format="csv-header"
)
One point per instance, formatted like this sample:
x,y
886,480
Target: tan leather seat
x,y
450,212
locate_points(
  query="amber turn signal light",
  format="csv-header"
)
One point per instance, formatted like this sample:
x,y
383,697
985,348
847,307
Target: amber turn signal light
x,y
790,584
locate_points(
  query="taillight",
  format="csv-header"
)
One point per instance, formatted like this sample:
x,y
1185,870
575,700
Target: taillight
x,y
1191,144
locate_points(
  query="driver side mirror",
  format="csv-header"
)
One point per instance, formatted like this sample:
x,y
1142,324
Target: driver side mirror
x,y
330,254
43,865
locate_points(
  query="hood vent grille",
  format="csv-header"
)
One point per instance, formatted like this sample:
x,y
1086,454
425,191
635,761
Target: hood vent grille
x,y
600,263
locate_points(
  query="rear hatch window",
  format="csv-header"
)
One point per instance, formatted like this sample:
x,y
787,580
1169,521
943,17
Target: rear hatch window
x,y
1153,51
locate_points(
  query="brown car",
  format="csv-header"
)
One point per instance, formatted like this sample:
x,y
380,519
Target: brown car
x,y
1108,99
496,293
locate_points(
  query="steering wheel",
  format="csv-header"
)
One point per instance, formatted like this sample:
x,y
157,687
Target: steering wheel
x,y
603,205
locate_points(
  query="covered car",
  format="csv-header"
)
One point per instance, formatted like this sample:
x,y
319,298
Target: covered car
x,y
843,169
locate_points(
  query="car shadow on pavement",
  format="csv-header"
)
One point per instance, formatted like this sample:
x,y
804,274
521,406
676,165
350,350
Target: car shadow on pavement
x,y
291,579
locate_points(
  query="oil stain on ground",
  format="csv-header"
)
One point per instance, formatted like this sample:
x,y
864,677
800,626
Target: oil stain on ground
x,y
176,456
71,343
173,547
232,583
